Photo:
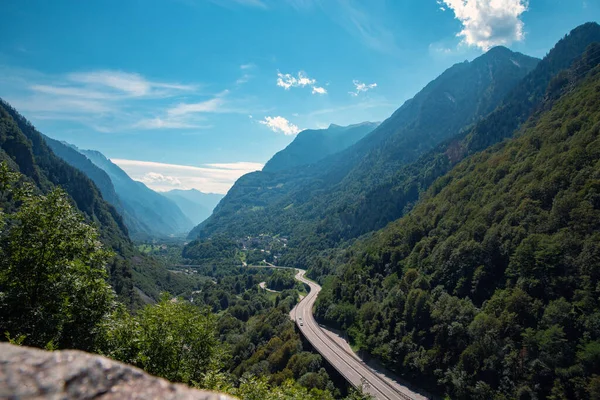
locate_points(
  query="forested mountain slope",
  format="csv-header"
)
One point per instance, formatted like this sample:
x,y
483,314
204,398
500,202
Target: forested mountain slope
x,y
74,158
489,287
394,197
151,212
294,203
312,145
25,150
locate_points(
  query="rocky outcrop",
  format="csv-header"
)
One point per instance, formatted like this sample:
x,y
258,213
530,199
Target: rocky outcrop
x,y
27,373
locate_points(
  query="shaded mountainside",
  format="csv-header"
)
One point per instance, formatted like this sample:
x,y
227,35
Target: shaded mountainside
x,y
313,145
393,198
293,202
73,157
489,287
195,205
25,150
148,211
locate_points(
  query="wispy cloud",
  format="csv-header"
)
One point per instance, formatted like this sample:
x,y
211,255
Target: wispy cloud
x,y
361,87
208,106
212,178
166,123
112,101
127,83
363,21
488,23
319,90
243,79
248,3
246,68
280,124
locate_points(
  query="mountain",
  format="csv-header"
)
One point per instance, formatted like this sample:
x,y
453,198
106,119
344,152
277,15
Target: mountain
x,y
295,202
196,205
311,145
73,157
150,212
25,150
489,287
394,197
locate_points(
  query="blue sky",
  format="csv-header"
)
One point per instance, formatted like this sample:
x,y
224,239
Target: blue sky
x,y
194,93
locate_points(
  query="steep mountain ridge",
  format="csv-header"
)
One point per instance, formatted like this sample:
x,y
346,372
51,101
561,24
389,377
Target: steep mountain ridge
x,y
73,157
155,214
488,288
393,198
312,145
293,203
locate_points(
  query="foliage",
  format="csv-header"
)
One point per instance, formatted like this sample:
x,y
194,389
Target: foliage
x,y
216,249
172,339
488,288
24,150
53,289
323,206
282,279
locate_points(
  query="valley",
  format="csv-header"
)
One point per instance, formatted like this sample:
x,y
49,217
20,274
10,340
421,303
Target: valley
x,y
449,250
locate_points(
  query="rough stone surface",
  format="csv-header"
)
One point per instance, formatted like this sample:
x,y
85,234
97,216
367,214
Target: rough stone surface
x,y
27,373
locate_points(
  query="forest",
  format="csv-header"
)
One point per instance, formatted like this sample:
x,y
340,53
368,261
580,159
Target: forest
x,y
457,244
488,287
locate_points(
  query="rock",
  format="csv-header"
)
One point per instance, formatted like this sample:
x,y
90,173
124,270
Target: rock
x,y
28,373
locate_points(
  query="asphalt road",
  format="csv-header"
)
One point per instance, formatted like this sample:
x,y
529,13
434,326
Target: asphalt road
x,y
355,371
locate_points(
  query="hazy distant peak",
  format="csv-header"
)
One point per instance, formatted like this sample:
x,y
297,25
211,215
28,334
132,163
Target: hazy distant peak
x,y
365,123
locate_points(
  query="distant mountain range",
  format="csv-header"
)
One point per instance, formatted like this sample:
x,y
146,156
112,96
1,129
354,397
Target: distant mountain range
x,y
196,205
145,212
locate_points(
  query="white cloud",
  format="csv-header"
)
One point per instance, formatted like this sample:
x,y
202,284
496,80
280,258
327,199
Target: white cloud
x,y
280,124
288,81
488,23
210,178
155,178
361,87
248,66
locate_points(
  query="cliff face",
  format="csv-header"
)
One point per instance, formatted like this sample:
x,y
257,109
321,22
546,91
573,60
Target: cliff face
x,y
36,374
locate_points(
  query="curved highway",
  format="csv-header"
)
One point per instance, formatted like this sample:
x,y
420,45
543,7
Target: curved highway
x,y
355,371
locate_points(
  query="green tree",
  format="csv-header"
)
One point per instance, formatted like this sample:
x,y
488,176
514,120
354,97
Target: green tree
x,y
173,339
53,284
